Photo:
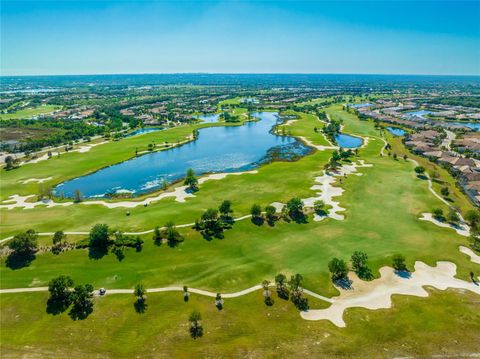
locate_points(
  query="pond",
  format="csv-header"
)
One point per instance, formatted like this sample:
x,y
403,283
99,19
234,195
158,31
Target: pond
x,y
347,141
217,149
396,131
360,105
209,118
419,113
142,131
473,125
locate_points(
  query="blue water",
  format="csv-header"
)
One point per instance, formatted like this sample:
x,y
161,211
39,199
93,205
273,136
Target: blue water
x,y
419,113
473,125
217,149
396,131
360,105
142,131
346,141
209,118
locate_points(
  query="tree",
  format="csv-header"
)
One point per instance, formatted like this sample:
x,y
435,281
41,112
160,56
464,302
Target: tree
x,y
398,262
191,181
295,209
82,298
24,244
99,236
419,170
256,212
58,237
210,224
453,217
438,214
270,213
140,292
59,288
185,293
359,260
319,207
219,301
196,329
444,191
60,294
472,217
339,269
475,243
226,210
172,234
359,265
157,236
77,196
280,281
297,292
9,163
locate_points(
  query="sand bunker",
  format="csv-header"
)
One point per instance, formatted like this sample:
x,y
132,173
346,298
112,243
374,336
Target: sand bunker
x,y
377,293
79,149
318,147
180,194
462,229
324,184
475,258
37,180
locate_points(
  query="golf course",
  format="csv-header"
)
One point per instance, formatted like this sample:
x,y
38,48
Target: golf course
x,y
380,199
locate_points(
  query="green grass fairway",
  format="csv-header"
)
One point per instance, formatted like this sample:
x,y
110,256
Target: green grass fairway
x,y
244,328
381,218
29,112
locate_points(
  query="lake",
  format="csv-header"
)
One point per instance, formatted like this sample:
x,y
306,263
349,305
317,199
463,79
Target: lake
x,y
360,105
142,131
217,149
347,141
396,131
419,113
209,118
473,125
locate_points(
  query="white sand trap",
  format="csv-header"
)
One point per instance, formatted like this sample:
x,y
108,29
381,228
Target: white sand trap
x,y
475,258
377,293
37,180
179,193
324,184
278,206
462,229
289,122
80,149
318,147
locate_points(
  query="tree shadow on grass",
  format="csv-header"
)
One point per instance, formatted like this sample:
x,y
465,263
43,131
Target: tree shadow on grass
x,y
422,177
140,306
18,261
258,221
56,307
80,312
97,252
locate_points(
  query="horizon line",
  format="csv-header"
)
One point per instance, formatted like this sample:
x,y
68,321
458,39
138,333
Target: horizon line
x,y
244,73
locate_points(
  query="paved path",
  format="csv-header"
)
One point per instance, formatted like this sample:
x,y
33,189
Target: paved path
x,y
169,289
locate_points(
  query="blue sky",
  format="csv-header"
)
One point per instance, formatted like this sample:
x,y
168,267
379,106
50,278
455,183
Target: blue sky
x,y
389,37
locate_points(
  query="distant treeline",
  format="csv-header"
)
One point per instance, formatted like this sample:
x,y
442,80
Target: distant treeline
x,y
467,101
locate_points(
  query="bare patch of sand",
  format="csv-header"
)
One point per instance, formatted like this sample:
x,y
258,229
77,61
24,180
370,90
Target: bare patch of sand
x,y
37,180
318,147
79,149
462,229
377,293
475,258
324,184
